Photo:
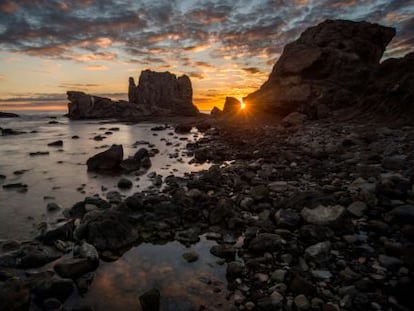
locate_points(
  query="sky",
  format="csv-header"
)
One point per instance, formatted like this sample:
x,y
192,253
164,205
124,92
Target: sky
x,y
226,47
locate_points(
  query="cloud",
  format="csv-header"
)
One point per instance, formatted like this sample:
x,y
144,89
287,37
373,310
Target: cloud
x,y
2,77
122,28
95,67
252,70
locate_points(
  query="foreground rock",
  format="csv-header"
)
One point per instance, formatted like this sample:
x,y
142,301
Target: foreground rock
x,y
106,160
330,66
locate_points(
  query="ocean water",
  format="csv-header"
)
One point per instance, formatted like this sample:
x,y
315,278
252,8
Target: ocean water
x,y
62,177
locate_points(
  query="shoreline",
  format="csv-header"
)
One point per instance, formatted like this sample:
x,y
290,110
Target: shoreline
x,y
317,215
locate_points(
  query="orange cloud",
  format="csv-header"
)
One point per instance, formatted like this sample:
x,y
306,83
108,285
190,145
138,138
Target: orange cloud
x,y
8,7
95,67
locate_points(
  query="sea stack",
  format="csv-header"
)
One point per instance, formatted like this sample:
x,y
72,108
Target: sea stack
x,y
163,92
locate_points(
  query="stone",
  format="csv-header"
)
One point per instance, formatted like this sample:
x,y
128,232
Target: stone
x,y
287,219
302,303
278,186
278,276
183,128
32,255
73,268
223,251
403,214
324,215
150,300
234,269
107,160
58,143
357,208
265,242
231,106
52,207
321,274
124,183
141,154
319,252
190,256
107,230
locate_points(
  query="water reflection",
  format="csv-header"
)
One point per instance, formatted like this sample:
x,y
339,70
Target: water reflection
x,y
61,176
183,286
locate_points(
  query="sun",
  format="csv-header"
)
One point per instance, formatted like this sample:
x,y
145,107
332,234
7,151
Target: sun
x,y
242,104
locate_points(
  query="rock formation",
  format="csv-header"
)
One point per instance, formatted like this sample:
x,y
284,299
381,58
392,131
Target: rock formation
x,y
231,106
157,94
84,106
328,67
163,92
107,160
8,115
390,90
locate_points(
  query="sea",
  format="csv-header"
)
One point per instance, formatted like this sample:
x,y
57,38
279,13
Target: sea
x,y
59,174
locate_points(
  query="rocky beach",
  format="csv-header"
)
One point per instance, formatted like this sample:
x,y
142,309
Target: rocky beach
x,y
305,200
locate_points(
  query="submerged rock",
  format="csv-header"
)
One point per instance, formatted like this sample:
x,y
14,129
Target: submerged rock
x,y
150,300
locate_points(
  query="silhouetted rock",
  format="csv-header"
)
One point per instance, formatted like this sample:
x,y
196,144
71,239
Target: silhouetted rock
x,y
329,65
84,106
391,88
216,112
8,115
157,94
231,106
163,93
107,160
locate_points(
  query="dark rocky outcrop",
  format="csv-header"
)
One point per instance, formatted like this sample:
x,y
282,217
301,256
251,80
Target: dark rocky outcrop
x,y
390,90
216,112
231,106
327,68
107,160
84,106
163,93
157,94
8,115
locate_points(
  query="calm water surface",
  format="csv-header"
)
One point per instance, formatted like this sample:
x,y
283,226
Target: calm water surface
x,y
62,175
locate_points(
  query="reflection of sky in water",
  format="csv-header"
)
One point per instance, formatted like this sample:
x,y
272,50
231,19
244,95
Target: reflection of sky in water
x,y
48,178
117,285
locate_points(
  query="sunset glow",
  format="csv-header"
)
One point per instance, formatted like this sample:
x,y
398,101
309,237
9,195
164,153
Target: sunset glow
x,y
226,47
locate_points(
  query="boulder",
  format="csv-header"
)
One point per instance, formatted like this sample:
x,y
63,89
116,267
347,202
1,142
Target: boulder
x,y
107,230
324,215
106,160
231,106
327,67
